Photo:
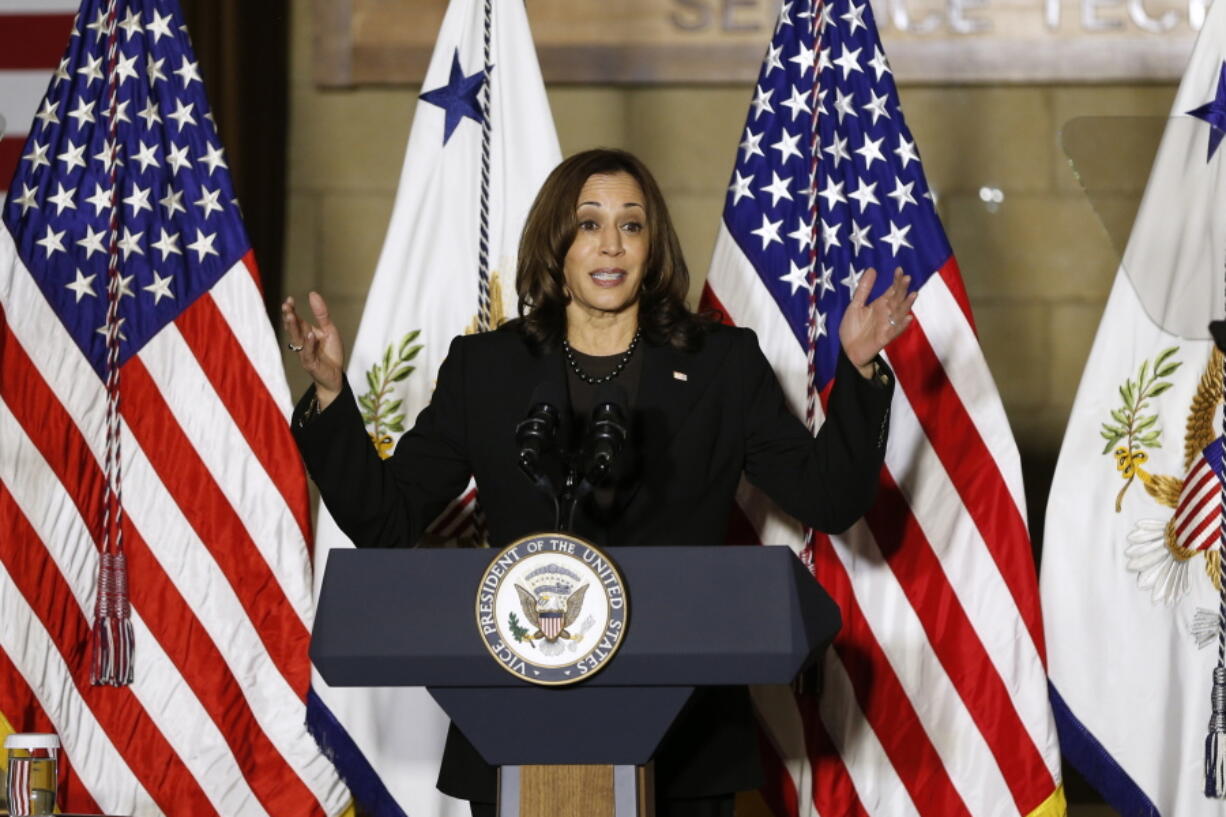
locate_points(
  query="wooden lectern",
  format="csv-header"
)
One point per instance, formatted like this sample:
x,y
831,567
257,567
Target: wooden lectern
x,y
714,616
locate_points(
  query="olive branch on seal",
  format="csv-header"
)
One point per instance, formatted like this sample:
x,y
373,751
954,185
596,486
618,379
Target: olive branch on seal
x,y
383,417
517,632
1132,426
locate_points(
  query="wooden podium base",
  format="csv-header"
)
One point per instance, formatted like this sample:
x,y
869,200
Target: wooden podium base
x,y
575,791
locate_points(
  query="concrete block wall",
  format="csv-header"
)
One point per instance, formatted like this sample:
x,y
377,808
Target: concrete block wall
x,y
1037,264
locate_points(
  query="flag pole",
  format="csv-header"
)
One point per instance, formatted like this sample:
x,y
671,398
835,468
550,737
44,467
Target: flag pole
x,y
1215,741
111,638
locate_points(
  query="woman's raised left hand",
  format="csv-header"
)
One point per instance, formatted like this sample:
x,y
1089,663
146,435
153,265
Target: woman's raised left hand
x,y
867,328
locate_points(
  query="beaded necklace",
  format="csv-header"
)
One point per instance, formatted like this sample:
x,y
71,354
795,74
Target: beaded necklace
x,y
621,364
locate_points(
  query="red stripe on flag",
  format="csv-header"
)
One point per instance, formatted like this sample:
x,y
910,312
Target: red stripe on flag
x,y
254,269
972,470
453,514
1196,533
10,155
31,41
882,698
213,518
1200,474
136,737
167,615
443,523
1189,506
248,401
194,653
833,788
710,302
51,429
957,646
21,709
779,790
953,282
1188,516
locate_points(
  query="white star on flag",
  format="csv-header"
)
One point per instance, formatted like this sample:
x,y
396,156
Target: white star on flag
x,y
82,286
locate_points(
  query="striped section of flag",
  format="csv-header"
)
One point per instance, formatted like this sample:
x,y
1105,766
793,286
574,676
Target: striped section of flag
x,y
1199,512
215,524
32,35
458,518
935,696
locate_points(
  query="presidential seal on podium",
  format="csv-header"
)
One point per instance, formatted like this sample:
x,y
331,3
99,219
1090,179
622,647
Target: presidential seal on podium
x,y
551,609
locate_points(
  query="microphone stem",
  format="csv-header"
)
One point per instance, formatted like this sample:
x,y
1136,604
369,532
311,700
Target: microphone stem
x,y
565,502
570,519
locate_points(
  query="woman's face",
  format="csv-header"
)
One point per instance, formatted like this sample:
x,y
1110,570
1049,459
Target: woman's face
x,y
604,265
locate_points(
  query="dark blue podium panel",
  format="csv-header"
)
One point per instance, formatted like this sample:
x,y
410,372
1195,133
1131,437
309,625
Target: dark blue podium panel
x,y
698,616
585,724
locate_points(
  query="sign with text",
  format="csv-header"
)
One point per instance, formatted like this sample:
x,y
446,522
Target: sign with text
x,y
671,41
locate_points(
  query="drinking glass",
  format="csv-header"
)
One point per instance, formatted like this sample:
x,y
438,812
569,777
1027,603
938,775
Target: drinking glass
x,y
32,773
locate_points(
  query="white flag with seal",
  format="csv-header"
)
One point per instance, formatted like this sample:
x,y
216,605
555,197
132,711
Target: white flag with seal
x,y
1131,567
481,144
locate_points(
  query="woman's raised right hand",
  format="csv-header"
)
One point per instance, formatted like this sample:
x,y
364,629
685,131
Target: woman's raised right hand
x,y
319,347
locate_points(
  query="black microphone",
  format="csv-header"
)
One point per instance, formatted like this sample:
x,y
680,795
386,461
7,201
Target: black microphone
x,y
535,433
608,431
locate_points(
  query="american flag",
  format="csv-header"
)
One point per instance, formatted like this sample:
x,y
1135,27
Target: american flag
x,y
122,184
935,698
32,34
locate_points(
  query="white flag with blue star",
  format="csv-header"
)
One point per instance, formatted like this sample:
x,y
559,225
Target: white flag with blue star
x,y
482,141
1132,565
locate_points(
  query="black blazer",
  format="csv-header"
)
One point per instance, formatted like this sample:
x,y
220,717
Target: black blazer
x,y
700,420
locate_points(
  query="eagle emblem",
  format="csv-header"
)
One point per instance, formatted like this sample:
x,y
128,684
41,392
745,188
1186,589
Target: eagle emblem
x,y
551,603
551,609
498,313
1161,549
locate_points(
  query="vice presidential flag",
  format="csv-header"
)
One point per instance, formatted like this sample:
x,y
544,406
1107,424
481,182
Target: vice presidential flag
x,y
482,142
1132,567
935,699
144,417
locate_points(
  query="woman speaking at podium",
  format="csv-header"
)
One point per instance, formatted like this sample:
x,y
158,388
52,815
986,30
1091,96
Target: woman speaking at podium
x,y
602,287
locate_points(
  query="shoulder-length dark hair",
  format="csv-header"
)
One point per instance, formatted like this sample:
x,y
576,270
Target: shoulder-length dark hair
x,y
550,230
